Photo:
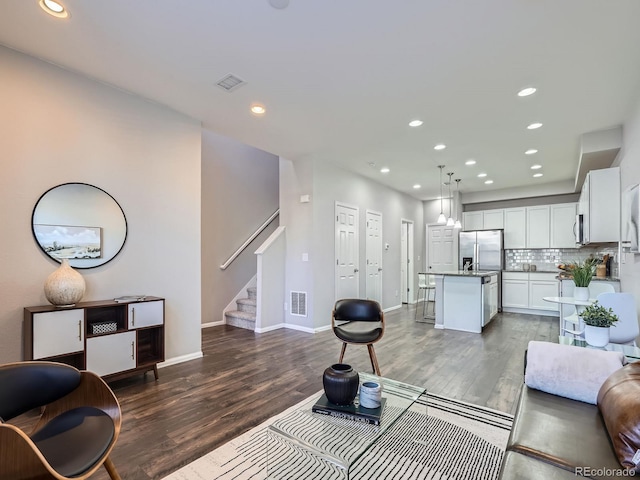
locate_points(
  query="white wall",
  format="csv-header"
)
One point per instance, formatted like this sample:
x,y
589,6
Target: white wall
x,y
629,162
60,127
310,229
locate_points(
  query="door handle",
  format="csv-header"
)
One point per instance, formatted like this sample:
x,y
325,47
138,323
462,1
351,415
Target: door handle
x,y
355,270
379,269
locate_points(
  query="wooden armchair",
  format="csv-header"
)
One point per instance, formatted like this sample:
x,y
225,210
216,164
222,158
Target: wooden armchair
x,y
79,423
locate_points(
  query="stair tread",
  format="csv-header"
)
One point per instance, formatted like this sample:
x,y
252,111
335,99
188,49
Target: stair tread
x,y
246,301
240,314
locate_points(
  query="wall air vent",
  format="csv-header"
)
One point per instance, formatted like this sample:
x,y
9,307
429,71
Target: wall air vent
x,y
299,304
230,82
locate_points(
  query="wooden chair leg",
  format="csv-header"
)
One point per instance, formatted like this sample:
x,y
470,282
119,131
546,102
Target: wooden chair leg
x,y
344,348
111,469
374,360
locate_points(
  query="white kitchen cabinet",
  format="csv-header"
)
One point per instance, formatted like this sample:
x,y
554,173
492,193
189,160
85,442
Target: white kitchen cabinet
x,y
541,226
515,227
473,220
515,289
542,285
493,219
523,292
563,224
600,206
484,219
538,228
57,333
109,354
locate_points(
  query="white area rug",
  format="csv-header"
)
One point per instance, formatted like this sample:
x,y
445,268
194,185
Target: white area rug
x,y
455,440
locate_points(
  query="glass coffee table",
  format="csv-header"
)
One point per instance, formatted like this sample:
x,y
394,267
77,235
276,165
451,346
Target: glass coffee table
x,y
629,351
307,445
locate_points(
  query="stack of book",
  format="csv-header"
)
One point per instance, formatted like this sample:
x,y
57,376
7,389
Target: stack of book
x,y
353,411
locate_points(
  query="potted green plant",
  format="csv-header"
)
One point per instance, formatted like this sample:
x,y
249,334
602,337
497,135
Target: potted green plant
x,y
582,272
597,320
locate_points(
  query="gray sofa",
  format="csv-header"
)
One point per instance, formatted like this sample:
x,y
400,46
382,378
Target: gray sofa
x,y
555,437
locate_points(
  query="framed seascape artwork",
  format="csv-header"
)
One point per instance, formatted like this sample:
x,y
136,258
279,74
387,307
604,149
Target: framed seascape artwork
x,y
70,242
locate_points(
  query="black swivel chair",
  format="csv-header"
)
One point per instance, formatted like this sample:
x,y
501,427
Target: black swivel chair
x,y
359,322
79,422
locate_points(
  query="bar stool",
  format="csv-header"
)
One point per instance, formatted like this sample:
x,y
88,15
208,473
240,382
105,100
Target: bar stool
x,y
427,284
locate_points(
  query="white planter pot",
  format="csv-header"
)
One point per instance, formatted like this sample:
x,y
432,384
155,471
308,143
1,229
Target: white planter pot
x,y
596,336
581,293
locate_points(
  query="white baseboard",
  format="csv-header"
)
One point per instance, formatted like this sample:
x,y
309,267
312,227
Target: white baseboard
x,y
529,311
270,328
213,324
294,327
180,359
390,309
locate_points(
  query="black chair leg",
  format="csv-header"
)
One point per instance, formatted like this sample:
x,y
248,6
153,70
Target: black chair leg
x,y
344,348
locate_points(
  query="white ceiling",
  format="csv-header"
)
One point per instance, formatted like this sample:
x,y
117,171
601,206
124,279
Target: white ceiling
x,y
341,79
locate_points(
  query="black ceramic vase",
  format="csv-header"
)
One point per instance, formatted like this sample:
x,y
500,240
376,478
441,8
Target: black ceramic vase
x,y
340,383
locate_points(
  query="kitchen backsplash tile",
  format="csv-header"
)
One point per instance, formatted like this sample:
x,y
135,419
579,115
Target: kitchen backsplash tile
x,y
548,259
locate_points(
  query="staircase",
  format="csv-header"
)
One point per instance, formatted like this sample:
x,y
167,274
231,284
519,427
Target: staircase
x,y
245,315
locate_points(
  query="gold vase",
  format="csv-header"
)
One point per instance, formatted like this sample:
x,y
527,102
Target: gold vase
x,y
64,287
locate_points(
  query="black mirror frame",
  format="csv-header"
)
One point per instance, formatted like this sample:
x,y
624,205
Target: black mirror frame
x,y
126,225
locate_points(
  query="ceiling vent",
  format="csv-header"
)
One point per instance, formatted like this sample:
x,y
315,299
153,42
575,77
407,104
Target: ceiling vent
x,y
299,304
230,82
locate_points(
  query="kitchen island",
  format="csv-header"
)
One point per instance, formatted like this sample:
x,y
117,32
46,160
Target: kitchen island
x,y
465,301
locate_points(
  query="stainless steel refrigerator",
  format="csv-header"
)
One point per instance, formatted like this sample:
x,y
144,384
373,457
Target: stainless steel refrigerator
x,y
483,250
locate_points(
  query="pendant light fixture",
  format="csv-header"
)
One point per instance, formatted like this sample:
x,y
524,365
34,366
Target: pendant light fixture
x,y
450,221
441,218
457,224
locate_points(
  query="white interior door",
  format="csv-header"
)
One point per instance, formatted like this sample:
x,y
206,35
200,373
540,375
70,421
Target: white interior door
x,y
374,256
346,249
442,248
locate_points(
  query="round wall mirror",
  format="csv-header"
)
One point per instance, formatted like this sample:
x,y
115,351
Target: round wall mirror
x,y
79,222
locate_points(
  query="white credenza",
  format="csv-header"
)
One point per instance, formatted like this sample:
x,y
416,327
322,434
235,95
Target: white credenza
x,y
112,339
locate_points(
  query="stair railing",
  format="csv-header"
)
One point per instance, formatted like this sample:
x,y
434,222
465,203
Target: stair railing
x,y
249,240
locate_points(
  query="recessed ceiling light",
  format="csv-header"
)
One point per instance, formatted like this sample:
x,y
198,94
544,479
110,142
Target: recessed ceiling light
x,y
415,123
525,92
279,4
417,186
384,170
536,167
531,151
258,109
54,8
482,175
488,182
535,125
471,161
536,175
440,146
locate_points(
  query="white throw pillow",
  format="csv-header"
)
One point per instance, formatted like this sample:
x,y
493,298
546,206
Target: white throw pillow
x,y
568,371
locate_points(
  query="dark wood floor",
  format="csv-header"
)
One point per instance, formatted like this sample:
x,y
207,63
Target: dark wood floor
x,y
245,378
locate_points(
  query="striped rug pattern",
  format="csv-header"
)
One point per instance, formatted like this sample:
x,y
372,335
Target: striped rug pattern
x,y
454,440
